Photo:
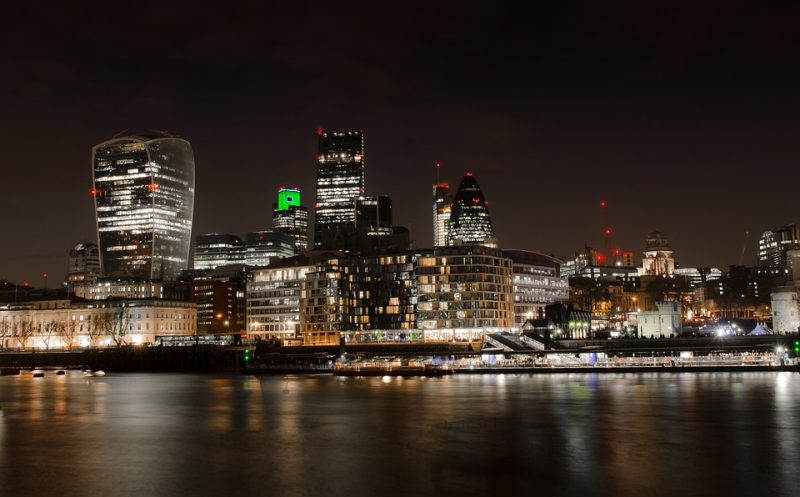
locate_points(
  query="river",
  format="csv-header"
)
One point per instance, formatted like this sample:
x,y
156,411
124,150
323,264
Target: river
x,y
646,434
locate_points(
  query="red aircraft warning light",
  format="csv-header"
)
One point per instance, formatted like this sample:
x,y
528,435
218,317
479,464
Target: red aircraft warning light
x,y
602,203
607,232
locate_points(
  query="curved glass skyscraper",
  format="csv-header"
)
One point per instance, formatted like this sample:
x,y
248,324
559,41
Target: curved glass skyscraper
x,y
144,201
470,223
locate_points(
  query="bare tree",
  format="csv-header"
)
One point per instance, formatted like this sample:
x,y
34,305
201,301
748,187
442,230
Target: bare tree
x,y
5,330
24,331
68,331
96,327
117,325
50,329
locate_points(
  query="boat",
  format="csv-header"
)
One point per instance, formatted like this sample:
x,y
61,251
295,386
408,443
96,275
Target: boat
x,y
388,370
38,373
88,372
99,372
60,372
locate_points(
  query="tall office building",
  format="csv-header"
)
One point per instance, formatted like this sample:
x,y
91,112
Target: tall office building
x,y
264,247
373,214
289,217
84,264
470,223
217,249
340,179
774,244
442,204
144,200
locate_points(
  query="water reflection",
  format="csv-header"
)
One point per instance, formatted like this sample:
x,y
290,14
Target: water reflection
x,y
649,434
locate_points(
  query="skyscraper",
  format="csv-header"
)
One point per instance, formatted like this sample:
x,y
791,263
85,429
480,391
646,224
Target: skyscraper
x,y
144,200
264,247
442,205
470,223
373,214
289,217
774,244
217,249
84,263
340,178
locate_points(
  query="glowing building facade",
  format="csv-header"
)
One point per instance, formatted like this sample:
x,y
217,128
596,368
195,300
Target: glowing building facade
x,y
658,259
340,179
84,264
470,223
442,204
144,201
217,249
264,247
289,217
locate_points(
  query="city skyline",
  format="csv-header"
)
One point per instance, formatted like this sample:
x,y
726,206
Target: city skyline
x,y
681,115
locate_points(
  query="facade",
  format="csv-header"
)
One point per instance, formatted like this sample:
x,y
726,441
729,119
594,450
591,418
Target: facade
x,y
470,222
698,276
217,249
464,292
273,301
786,309
324,304
661,323
84,263
442,206
536,283
264,247
290,217
340,179
220,304
55,324
774,245
117,288
144,201
373,214
658,259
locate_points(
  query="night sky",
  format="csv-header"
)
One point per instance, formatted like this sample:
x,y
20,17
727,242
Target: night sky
x,y
684,119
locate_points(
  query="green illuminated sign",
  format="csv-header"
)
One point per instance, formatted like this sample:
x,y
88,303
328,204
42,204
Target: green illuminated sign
x,y
287,198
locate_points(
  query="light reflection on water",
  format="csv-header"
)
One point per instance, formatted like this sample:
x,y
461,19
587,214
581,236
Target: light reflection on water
x,y
622,434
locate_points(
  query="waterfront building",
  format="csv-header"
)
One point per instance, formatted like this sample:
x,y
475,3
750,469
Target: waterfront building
x,y
144,199
220,304
325,306
340,179
290,217
264,247
658,259
274,300
786,309
84,264
470,222
463,292
536,284
55,324
773,246
663,322
119,288
442,206
217,249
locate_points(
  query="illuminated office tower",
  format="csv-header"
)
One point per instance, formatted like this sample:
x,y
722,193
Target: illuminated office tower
x,y
261,248
340,179
374,215
217,249
442,205
470,223
289,217
144,200
84,264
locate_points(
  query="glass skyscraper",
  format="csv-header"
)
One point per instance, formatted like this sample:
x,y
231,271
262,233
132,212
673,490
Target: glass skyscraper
x,y
470,223
441,214
340,179
289,217
144,201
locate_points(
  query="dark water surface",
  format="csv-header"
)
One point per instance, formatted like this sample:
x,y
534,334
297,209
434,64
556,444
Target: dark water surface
x,y
196,435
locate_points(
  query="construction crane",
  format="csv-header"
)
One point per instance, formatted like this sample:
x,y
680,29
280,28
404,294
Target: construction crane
x,y
744,246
